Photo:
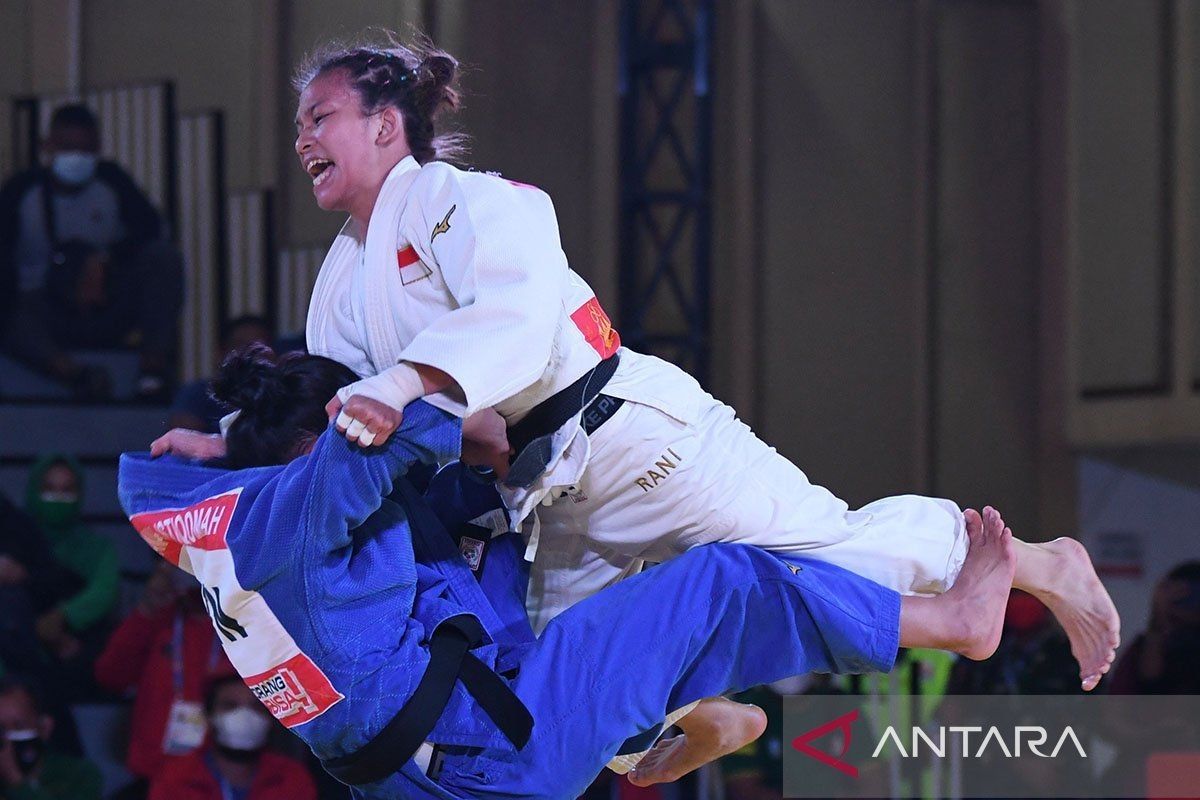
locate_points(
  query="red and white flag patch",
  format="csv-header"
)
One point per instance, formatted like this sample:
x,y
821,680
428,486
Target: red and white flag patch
x,y
412,268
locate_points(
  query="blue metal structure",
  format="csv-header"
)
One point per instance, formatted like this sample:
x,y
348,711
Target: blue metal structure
x,y
665,179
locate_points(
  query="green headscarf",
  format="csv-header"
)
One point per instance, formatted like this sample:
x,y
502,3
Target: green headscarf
x,y
57,515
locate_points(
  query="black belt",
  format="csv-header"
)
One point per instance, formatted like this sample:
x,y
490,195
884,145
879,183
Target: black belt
x,y
449,660
553,412
599,411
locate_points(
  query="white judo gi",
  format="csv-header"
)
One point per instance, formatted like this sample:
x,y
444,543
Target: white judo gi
x,y
464,271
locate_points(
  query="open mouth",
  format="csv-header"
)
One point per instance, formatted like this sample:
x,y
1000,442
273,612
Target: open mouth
x,y
319,169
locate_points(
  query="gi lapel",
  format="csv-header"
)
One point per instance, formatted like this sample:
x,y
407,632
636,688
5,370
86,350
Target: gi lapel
x,y
332,282
383,339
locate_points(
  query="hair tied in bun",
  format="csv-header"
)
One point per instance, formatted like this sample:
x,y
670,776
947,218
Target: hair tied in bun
x,y
250,381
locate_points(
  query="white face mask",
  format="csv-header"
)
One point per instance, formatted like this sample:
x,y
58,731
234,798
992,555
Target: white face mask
x,y
74,167
241,729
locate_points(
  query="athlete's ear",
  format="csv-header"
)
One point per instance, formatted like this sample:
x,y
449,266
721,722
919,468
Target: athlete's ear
x,y
391,127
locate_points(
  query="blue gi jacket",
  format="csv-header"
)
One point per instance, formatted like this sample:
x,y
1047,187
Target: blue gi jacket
x,y
310,577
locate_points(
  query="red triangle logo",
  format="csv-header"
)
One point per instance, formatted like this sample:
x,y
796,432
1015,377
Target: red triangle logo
x,y
842,723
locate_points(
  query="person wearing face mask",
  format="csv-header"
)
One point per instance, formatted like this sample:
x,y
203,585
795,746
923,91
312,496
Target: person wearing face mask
x,y
84,263
29,768
167,651
237,763
73,631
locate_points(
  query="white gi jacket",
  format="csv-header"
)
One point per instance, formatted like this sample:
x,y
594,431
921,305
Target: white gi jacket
x,y
464,271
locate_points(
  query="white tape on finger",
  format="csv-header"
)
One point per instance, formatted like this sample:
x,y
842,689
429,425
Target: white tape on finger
x,y
366,438
355,429
344,420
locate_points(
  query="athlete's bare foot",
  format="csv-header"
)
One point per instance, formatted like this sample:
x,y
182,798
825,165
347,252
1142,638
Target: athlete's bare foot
x,y
715,728
1061,575
974,606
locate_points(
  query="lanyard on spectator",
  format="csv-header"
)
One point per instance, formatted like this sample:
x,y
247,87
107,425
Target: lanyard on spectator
x,y
177,655
227,790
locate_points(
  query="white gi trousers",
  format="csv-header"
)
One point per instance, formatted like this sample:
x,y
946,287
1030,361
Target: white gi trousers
x,y
677,469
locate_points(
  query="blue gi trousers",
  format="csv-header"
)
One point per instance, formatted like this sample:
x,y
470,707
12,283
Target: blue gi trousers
x,y
717,619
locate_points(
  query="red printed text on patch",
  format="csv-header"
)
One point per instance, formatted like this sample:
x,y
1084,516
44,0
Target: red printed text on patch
x,y
294,692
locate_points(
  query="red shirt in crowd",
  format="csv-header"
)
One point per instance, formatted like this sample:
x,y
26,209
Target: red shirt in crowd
x,y
140,654
190,778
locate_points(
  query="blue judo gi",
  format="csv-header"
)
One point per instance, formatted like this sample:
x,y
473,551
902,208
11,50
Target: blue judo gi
x,y
325,577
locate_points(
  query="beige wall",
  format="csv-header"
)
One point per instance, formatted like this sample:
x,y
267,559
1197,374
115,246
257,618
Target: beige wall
x,y
896,247
206,48
834,138
1117,135
987,267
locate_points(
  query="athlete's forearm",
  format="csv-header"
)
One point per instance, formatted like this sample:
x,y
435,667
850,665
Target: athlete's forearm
x,y
434,380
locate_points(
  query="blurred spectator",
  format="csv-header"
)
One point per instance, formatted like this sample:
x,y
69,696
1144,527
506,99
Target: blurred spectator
x,y
194,407
31,582
72,631
29,769
237,761
1163,659
84,263
1034,656
167,650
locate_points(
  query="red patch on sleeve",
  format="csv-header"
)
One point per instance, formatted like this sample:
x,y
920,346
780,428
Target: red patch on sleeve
x,y
407,257
294,692
597,328
203,526
412,269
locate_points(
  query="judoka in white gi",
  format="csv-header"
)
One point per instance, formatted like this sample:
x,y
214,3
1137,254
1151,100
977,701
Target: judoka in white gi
x,y
452,286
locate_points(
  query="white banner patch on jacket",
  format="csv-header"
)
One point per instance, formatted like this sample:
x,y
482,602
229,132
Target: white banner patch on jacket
x,y
281,675
412,268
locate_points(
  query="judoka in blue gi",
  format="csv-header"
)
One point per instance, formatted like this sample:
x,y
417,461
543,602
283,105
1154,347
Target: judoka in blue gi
x,y
352,615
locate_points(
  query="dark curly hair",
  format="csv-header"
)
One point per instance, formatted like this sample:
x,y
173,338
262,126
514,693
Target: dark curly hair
x,y
281,399
418,79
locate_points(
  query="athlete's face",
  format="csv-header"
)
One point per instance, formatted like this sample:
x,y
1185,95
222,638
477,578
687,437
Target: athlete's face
x,y
338,145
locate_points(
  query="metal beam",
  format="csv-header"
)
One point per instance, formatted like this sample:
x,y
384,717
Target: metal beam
x,y
666,179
